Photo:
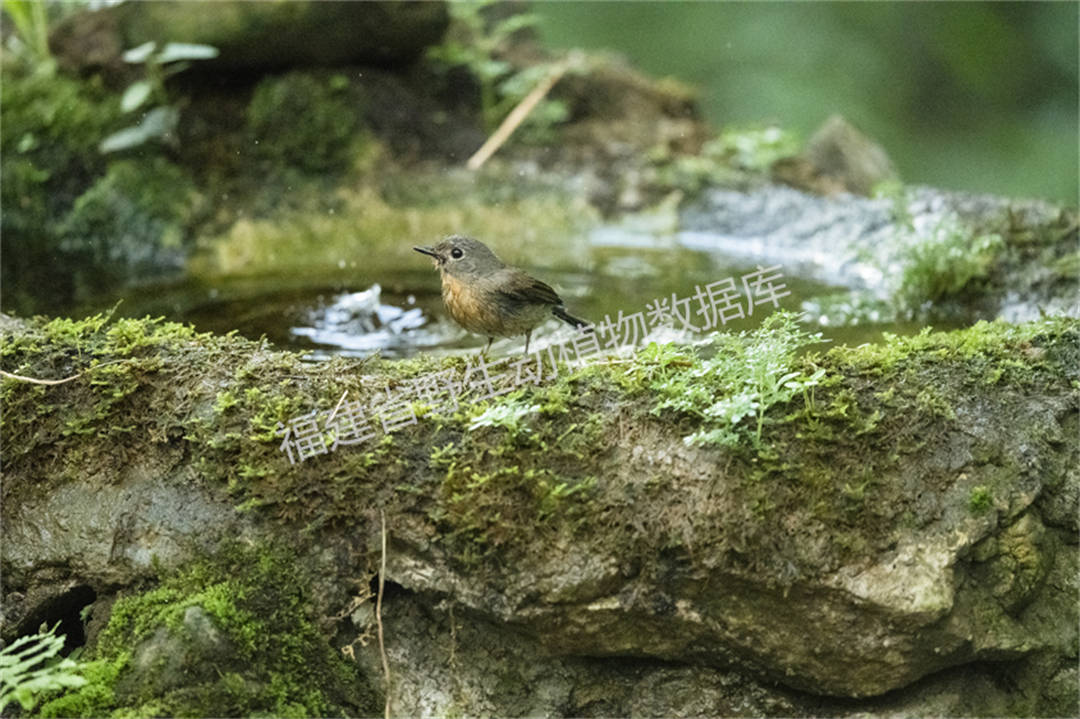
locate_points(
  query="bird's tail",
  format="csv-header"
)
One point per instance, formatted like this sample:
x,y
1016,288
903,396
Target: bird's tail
x,y
568,318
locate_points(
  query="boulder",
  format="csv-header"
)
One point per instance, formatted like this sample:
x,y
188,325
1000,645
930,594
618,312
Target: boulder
x,y
257,36
892,535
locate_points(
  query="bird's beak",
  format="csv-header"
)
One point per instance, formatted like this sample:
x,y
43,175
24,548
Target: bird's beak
x,y
428,251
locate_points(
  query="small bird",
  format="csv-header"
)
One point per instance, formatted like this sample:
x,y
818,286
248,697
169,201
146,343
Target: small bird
x,y
486,297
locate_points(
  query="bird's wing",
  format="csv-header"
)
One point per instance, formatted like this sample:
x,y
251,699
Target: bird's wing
x,y
528,290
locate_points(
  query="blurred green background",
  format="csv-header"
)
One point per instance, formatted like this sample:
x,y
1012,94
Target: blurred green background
x,y
962,95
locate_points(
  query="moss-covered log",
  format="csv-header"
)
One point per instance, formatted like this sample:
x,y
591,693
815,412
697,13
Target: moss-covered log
x,y
864,518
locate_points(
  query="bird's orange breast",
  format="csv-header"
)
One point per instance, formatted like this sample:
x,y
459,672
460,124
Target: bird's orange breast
x,y
468,307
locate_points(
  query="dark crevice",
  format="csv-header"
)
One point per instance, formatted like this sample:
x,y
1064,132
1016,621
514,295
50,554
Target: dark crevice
x,y
390,589
66,610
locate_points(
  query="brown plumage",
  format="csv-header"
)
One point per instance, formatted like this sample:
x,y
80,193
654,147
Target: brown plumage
x,y
486,297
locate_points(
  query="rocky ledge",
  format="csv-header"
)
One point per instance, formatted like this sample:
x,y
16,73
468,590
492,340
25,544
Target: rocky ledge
x,y
888,528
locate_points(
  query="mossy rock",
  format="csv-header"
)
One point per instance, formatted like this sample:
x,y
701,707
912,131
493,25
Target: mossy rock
x,y
132,225
232,635
52,127
305,120
591,512
263,36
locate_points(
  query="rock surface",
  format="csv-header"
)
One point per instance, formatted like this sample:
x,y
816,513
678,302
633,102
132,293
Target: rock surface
x,y
907,540
837,158
862,243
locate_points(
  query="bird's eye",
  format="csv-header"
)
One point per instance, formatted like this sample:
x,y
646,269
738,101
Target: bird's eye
x,y
456,253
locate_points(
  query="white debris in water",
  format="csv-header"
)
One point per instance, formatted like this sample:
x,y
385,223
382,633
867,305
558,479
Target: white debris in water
x,y
358,323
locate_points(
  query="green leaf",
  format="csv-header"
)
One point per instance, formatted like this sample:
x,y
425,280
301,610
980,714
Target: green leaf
x,y
139,54
27,143
521,82
490,69
30,665
135,95
175,68
31,25
19,12
512,24
158,123
123,139
186,51
452,54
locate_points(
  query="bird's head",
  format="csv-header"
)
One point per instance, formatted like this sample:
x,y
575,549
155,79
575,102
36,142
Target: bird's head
x,y
463,257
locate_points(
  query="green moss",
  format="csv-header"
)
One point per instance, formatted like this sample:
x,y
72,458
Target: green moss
x,y
544,465
484,504
985,345
946,263
225,401
54,121
273,659
97,697
133,222
269,411
736,157
879,406
512,467
980,500
329,137
753,148
830,451
933,403
52,125
237,441
236,432
510,413
319,229
966,268
116,363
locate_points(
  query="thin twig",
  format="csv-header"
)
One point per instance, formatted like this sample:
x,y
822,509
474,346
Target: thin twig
x,y
378,614
517,116
34,380
337,407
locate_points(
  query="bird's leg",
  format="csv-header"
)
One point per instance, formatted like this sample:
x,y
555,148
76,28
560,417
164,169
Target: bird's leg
x,y
488,345
527,335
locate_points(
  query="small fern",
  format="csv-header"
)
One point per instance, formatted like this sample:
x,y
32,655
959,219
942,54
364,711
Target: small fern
x,y
511,414
32,665
747,374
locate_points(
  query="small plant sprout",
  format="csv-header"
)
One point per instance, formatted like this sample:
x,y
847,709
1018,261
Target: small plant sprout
x,y
160,121
475,43
753,148
510,414
747,374
980,500
944,262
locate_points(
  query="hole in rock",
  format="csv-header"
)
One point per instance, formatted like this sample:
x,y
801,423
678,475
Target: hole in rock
x,y
66,609
390,589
